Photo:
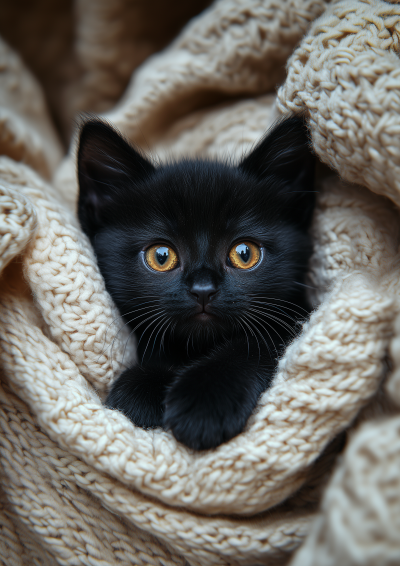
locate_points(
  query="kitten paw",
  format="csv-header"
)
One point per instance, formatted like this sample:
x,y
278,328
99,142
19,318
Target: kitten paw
x,y
139,394
204,409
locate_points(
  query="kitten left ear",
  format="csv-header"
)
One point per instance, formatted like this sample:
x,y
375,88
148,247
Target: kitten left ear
x,y
108,167
284,156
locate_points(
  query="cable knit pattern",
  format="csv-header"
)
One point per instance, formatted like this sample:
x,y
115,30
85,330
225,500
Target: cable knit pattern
x,y
80,484
346,76
17,224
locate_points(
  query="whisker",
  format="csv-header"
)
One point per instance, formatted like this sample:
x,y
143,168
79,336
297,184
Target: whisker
x,y
162,337
284,324
278,320
304,285
112,322
166,319
152,332
129,301
280,300
275,315
144,332
248,345
278,307
126,323
136,327
255,336
265,330
120,316
280,311
272,328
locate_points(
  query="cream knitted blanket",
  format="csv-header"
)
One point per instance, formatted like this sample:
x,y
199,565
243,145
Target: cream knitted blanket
x,y
79,483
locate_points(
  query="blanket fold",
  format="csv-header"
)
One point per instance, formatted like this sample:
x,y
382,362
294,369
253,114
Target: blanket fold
x,y
80,483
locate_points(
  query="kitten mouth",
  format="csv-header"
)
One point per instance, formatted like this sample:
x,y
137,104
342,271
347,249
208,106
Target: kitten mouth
x,y
203,316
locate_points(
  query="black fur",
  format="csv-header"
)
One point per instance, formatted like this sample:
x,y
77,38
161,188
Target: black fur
x,y
200,376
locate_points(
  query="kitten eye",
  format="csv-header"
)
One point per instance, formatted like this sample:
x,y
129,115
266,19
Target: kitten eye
x,y
244,255
161,258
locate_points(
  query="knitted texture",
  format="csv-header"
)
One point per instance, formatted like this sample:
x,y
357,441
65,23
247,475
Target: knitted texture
x,y
17,224
80,483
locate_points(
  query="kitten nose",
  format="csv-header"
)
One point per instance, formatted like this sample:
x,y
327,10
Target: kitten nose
x,y
203,292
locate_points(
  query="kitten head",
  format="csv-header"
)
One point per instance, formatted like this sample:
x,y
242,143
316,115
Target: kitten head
x,y
199,249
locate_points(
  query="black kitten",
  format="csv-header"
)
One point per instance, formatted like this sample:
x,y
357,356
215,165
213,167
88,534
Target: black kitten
x,y
206,262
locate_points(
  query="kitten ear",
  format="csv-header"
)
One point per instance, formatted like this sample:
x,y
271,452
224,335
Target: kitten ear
x,y
107,167
284,156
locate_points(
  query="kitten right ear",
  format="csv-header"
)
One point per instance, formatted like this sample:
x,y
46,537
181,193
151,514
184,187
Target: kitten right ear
x,y
285,155
108,166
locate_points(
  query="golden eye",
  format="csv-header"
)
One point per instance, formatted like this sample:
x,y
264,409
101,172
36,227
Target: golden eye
x,y
161,257
244,255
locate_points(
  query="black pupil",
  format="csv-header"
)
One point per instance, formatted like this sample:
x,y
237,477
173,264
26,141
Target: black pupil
x,y
243,252
162,255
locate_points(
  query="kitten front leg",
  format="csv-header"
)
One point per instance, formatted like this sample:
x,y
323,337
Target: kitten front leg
x,y
210,401
139,394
